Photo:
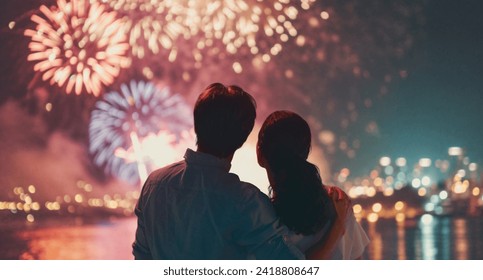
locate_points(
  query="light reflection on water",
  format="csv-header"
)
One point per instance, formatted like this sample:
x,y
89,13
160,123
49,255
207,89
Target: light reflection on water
x,y
401,242
460,231
108,240
444,238
428,238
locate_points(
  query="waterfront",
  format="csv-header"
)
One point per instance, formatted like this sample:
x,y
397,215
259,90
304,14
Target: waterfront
x,y
424,238
70,239
427,238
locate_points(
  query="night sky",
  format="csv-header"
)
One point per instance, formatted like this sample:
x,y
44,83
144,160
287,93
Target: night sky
x,y
438,105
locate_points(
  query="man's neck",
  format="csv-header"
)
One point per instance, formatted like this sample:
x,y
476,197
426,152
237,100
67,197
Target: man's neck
x,y
229,158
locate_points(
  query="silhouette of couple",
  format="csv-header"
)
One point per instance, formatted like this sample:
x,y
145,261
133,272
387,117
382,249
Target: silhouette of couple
x,y
196,209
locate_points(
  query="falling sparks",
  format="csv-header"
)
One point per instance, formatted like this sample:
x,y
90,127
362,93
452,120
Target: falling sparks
x,y
138,129
77,45
151,25
214,27
237,23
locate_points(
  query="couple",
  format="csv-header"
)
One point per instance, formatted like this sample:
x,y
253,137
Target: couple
x,y
196,209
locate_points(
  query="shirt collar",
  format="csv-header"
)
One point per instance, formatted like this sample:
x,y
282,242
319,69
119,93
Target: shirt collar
x,y
199,158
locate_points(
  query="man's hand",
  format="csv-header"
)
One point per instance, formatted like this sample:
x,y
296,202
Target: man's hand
x,y
340,193
342,204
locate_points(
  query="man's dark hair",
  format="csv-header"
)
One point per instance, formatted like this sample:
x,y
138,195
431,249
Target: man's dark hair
x,y
223,118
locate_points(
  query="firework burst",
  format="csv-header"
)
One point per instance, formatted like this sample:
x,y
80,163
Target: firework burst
x,y
213,28
237,22
77,45
137,129
151,25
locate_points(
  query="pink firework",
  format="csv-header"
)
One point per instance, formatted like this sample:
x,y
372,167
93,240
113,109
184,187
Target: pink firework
x,y
77,45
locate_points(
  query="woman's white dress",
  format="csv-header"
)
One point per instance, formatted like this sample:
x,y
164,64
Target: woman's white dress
x,y
350,246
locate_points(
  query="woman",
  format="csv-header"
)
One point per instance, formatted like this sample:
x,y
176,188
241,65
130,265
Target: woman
x,y
300,199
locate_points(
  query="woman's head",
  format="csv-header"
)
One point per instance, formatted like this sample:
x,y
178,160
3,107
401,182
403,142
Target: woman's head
x,y
283,133
296,188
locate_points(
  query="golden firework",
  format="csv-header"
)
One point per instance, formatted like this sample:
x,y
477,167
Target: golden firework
x,y
77,45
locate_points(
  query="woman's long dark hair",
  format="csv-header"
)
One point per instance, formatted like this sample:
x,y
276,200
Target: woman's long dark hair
x,y
296,189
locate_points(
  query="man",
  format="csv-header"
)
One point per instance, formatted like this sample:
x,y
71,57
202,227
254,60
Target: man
x,y
195,208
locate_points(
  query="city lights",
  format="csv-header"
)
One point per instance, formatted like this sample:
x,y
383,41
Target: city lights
x,y
455,151
421,180
385,161
425,162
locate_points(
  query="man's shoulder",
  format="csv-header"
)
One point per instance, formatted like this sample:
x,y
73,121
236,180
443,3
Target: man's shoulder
x,y
167,170
251,189
161,175
242,191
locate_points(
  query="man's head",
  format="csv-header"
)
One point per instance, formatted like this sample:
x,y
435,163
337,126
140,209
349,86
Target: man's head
x,y
223,117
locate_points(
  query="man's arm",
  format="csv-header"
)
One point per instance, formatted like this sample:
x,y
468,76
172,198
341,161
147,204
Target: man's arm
x,y
140,248
260,231
324,248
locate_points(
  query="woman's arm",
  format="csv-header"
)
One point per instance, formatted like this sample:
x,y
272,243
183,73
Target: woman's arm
x,y
324,248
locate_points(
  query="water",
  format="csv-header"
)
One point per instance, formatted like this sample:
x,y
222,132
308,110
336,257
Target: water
x,y
440,238
73,239
430,238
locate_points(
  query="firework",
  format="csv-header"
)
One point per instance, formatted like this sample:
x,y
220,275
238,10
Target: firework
x,y
240,23
260,27
151,25
77,45
138,129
